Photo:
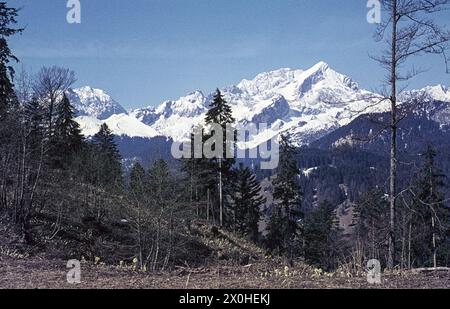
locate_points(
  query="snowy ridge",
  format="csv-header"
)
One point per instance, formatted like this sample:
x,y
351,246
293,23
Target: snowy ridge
x,y
429,93
121,125
307,104
89,101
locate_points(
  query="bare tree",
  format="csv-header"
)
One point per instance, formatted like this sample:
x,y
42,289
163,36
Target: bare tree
x,y
408,30
49,86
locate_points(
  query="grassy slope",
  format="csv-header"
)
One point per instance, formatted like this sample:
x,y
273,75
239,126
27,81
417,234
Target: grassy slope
x,y
234,263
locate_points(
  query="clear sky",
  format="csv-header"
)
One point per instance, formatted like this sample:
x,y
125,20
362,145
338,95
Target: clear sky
x,y
145,51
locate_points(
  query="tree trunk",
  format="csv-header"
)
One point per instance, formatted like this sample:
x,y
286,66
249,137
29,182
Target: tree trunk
x,y
207,206
393,168
409,245
434,241
220,194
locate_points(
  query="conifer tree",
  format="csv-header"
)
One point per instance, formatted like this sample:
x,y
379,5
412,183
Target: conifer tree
x,y
321,237
159,181
104,140
200,179
287,194
247,203
8,19
109,165
430,220
137,179
68,139
33,116
275,231
220,113
370,223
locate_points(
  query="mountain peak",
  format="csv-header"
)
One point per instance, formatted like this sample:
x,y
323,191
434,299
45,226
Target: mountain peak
x,y
433,93
94,102
321,65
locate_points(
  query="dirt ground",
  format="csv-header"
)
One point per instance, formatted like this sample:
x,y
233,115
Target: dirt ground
x,y
36,273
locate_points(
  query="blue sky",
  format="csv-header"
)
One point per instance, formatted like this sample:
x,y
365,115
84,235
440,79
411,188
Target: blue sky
x,y
145,51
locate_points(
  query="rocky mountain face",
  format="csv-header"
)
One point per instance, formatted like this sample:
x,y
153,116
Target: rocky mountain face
x,y
318,107
306,103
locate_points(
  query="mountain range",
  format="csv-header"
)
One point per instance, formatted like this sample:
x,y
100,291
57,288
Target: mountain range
x,y
339,127
307,104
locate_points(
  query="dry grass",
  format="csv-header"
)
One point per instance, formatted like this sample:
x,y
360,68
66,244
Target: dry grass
x,y
32,273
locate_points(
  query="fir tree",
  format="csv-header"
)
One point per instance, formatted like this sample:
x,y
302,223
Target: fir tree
x,y
430,216
109,165
7,20
220,113
275,231
137,179
104,140
370,223
68,139
160,183
247,203
321,237
200,181
287,193
33,116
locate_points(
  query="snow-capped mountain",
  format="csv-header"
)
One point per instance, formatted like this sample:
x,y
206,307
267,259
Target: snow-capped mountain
x,y
432,102
430,93
94,102
307,104
174,119
120,124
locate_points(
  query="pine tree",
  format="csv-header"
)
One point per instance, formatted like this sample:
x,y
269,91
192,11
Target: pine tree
x,y
68,139
370,223
200,181
109,166
33,116
247,203
275,231
321,237
137,179
159,180
104,140
7,96
430,219
287,194
220,113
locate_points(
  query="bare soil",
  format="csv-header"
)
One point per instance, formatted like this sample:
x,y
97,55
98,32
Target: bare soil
x,y
40,273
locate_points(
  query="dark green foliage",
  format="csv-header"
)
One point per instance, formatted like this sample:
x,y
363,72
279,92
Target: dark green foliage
x,y
247,203
275,231
159,180
8,18
33,116
108,160
221,167
67,139
370,223
220,111
429,215
200,179
321,237
287,196
137,180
